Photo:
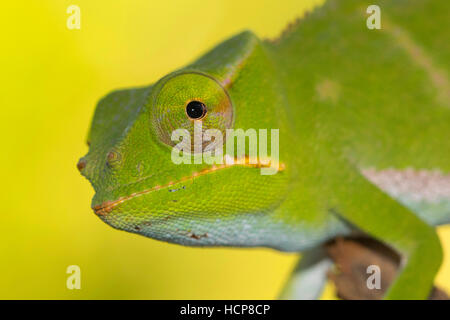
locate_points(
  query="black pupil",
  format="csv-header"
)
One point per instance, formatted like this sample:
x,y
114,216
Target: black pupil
x,y
195,109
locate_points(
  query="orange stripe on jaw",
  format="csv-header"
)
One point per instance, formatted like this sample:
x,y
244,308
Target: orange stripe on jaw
x,y
107,206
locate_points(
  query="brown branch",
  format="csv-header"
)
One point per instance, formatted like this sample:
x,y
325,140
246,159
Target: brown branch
x,y
352,256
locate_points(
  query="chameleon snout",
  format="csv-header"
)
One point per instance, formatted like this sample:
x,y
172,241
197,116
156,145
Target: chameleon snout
x,y
81,164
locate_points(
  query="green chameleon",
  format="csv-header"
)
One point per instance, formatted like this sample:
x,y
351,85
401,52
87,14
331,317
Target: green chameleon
x,y
364,143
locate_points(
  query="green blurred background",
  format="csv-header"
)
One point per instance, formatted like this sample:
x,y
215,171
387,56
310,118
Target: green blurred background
x,y
52,78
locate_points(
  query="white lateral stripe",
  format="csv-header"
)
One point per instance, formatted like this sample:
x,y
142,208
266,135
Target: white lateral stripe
x,y
426,185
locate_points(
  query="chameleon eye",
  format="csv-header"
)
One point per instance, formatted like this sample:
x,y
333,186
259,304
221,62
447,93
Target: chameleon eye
x,y
196,110
181,98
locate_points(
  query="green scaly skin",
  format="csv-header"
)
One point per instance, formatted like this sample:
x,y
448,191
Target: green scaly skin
x,y
345,99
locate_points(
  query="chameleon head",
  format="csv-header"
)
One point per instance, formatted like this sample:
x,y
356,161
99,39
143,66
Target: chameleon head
x,y
138,186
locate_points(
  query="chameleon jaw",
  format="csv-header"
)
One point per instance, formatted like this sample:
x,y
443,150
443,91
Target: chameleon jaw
x,y
106,207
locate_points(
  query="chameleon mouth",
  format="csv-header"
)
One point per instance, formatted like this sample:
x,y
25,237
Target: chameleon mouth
x,y
107,206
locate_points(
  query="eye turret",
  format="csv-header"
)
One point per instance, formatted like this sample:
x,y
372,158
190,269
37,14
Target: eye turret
x,y
188,99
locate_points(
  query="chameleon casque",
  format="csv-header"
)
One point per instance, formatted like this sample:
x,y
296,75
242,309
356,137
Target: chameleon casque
x,y
364,142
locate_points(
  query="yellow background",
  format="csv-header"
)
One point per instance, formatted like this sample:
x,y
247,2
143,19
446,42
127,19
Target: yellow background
x,y
51,80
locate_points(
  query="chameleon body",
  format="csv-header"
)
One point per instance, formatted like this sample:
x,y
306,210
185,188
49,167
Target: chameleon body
x,y
364,126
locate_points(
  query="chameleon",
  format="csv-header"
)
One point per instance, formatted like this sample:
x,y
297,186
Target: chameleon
x,y
364,149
